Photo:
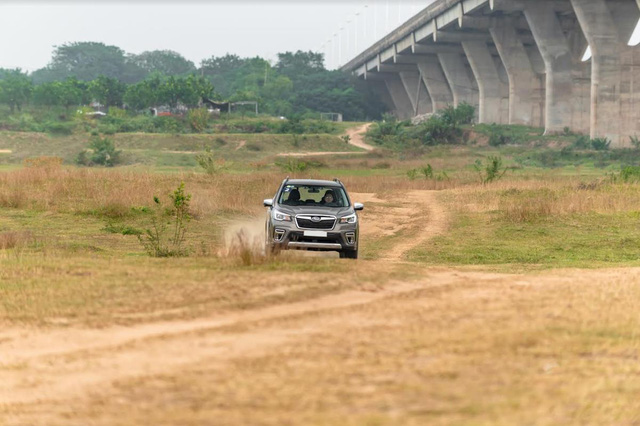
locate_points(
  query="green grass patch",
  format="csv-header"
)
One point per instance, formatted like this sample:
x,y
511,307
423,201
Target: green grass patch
x,y
578,240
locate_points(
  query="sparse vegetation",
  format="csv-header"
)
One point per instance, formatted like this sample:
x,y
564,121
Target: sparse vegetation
x,y
490,170
69,246
166,234
210,162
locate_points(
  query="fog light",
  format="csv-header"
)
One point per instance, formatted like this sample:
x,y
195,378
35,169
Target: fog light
x,y
279,235
351,237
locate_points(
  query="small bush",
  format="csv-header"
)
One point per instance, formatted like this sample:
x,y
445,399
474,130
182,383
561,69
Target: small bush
x,y
600,144
116,112
168,124
628,174
582,142
59,127
490,171
198,119
102,153
210,163
293,165
165,236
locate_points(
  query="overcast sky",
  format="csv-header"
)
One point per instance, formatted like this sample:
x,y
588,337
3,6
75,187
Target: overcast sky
x,y
30,29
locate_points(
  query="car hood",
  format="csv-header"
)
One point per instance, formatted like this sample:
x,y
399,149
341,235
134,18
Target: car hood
x,y
316,210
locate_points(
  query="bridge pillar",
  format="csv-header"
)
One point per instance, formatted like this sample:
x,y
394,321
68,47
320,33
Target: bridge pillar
x,y
522,102
417,92
489,85
612,67
455,70
556,54
399,96
380,87
436,82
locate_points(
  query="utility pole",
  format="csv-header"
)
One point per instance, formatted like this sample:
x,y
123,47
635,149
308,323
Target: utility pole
x,y
356,41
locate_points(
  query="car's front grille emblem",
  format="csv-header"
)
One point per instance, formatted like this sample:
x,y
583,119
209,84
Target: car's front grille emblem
x,y
315,219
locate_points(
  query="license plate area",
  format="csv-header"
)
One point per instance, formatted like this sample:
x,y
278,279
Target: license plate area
x,y
315,234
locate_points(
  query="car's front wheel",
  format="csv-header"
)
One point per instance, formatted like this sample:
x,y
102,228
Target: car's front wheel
x,y
348,254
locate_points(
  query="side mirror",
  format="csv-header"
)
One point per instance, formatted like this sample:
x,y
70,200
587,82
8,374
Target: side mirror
x,y
358,206
268,202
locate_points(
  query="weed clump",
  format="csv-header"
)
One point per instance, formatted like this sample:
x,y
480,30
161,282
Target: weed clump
x,y
166,234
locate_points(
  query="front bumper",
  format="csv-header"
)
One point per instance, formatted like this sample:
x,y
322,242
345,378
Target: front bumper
x,y
345,238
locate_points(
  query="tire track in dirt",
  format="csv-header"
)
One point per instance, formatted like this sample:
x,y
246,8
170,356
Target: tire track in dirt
x,y
429,220
356,137
68,363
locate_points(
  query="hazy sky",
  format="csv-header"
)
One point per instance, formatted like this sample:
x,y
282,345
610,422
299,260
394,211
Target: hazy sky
x,y
198,29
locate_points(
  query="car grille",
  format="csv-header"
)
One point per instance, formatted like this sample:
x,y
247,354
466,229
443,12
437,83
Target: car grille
x,y
324,223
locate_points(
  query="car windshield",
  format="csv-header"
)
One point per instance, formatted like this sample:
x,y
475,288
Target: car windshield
x,y
313,195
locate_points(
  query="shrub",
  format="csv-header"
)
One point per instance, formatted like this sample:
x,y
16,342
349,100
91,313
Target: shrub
x,y
455,117
582,142
490,171
600,144
293,165
198,119
497,136
59,127
103,153
116,112
208,161
635,141
427,171
165,237
628,174
168,124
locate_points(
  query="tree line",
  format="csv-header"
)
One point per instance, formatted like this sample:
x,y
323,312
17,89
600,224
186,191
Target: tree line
x,y
82,72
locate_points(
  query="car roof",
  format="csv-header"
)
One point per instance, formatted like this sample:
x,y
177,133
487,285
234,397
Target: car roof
x,y
313,182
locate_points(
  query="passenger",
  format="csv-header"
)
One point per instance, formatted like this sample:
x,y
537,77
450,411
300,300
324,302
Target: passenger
x,y
294,197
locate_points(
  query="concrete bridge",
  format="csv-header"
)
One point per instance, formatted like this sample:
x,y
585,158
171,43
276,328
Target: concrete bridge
x,y
518,62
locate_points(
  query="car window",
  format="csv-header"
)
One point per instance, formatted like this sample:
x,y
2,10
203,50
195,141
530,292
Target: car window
x,y
313,195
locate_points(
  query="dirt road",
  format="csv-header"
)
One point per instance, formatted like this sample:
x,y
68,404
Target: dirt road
x,y
189,372
356,138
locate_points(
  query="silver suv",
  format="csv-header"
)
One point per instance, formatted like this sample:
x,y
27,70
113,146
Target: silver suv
x,y
308,214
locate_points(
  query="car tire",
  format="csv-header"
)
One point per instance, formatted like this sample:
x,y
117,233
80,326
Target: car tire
x,y
348,254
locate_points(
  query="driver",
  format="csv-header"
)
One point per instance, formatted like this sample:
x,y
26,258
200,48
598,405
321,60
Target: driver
x,y
329,197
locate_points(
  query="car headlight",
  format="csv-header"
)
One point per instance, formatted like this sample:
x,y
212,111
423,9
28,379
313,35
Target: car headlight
x,y
282,217
352,218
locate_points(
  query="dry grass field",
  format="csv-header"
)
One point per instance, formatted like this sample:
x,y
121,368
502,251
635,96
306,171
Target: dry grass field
x,y
513,302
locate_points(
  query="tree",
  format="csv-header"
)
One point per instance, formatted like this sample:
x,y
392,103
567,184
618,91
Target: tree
x,y
222,71
71,92
107,91
15,89
88,60
166,62
298,64
145,94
